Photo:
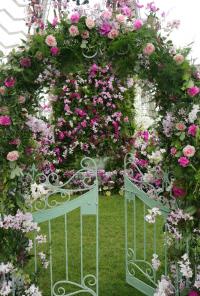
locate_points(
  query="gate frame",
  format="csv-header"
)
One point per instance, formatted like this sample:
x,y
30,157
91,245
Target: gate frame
x,y
87,202
131,192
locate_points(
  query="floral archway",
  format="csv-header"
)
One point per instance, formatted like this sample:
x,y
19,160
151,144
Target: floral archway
x,y
90,67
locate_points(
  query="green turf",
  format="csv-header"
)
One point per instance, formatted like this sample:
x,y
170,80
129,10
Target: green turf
x,y
111,246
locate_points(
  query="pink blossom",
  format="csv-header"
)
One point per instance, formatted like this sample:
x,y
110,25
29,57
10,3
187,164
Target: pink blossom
x,y
2,90
54,51
16,141
10,82
180,126
84,123
12,155
113,34
137,24
75,17
106,15
189,151
178,191
80,112
25,62
179,59
105,29
126,119
120,18
61,135
73,31
85,35
192,130
54,22
193,91
21,99
51,41
149,49
5,120
90,23
193,293
173,151
151,6
126,11
183,161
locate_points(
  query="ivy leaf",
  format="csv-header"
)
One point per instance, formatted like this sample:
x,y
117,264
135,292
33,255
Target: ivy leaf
x,y
182,136
16,172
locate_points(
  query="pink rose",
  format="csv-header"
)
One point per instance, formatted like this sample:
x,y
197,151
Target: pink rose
x,y
189,151
51,41
178,191
173,151
179,59
137,24
183,161
193,91
25,62
54,51
12,155
192,130
180,126
21,99
75,17
120,18
9,82
90,23
149,49
73,31
2,90
113,34
126,119
5,120
106,15
85,35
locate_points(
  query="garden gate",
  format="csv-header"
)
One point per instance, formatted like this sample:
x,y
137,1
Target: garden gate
x,y
60,201
143,242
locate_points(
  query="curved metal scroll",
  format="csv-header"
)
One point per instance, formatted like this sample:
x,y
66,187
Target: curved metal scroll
x,y
58,192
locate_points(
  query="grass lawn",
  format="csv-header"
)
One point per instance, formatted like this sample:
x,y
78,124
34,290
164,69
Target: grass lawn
x,y
111,248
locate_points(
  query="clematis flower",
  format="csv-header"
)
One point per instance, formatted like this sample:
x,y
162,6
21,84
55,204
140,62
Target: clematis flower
x,y
183,161
192,130
9,82
193,91
5,120
137,24
75,17
54,51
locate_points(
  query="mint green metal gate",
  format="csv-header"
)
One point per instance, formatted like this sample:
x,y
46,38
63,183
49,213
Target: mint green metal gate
x,y
59,201
143,241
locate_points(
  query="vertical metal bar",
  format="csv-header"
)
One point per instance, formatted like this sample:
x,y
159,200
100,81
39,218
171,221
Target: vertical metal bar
x,y
144,245
81,234
50,256
97,243
35,252
154,239
126,235
165,250
134,226
66,250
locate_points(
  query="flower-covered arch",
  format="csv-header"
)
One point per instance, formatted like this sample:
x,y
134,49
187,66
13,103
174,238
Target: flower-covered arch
x,y
89,66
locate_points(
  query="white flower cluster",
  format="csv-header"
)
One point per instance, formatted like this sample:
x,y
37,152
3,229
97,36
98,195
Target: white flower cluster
x,y
32,291
192,116
153,213
5,285
43,259
38,190
185,268
21,222
155,262
157,156
165,287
